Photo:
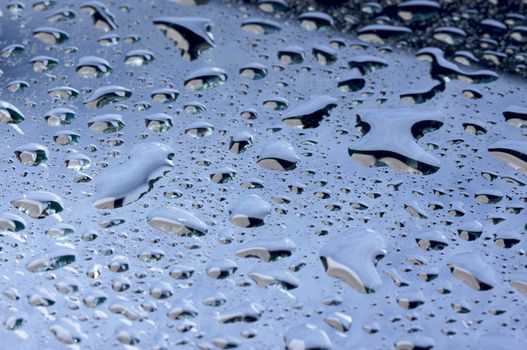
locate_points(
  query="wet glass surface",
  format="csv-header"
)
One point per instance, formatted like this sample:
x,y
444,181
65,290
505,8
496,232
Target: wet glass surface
x,y
203,175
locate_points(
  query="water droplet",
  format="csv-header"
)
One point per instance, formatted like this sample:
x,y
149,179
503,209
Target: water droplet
x,y
352,257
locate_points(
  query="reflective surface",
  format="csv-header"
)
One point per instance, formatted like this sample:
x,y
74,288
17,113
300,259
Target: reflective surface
x,y
222,176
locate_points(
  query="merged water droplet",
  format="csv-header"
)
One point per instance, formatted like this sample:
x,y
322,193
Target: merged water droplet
x,y
441,67
311,113
122,185
192,35
380,145
472,270
100,14
352,257
162,211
